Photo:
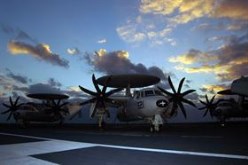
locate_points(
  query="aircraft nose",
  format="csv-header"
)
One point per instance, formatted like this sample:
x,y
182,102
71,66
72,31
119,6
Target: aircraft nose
x,y
162,103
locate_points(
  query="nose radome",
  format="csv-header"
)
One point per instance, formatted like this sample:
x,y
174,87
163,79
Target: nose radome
x,y
162,103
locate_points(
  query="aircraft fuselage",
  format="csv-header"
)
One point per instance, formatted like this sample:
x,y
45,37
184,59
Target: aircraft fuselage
x,y
145,103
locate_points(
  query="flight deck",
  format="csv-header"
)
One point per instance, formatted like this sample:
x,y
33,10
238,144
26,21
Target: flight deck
x,y
125,144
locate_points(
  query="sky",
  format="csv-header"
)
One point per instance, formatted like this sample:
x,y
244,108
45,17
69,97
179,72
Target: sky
x,y
54,46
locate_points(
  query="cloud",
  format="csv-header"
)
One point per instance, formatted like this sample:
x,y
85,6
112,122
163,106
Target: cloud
x,y
231,9
7,29
213,89
136,33
10,86
21,35
5,83
117,62
164,7
43,88
186,10
52,82
40,51
130,33
193,56
22,79
51,86
228,62
18,34
73,51
158,18
102,41
180,12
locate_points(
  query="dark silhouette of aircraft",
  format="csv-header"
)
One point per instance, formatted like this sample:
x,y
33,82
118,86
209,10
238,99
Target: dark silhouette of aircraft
x,y
224,109
51,109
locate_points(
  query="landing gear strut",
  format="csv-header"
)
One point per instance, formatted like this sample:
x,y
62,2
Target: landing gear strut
x,y
156,123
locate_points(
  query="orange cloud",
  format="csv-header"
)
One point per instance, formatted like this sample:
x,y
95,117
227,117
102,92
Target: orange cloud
x,y
193,56
228,63
232,9
213,88
184,11
216,69
188,10
40,51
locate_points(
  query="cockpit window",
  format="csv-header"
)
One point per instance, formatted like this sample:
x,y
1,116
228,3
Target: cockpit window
x,y
149,93
157,92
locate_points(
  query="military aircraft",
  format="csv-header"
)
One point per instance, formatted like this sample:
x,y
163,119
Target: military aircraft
x,y
224,109
152,104
51,109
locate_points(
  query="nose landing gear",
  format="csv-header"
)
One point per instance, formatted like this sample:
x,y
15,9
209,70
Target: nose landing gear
x,y
156,123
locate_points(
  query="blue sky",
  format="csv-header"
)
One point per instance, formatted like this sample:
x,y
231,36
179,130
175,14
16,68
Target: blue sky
x,y
51,45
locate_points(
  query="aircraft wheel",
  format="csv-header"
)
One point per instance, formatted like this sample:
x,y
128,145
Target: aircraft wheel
x,y
222,121
156,127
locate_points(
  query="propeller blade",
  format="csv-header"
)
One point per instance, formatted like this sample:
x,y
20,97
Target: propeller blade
x,y
7,106
171,85
202,108
164,91
106,85
79,114
212,99
177,97
94,110
205,113
9,116
58,103
209,106
174,108
65,103
16,100
87,91
95,84
182,109
54,103
180,85
4,112
207,98
203,102
10,100
188,102
65,111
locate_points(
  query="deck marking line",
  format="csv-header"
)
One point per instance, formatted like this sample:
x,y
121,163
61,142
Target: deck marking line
x,y
206,154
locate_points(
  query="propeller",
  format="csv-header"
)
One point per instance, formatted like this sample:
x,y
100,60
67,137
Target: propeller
x,y
57,109
100,97
177,97
209,106
12,107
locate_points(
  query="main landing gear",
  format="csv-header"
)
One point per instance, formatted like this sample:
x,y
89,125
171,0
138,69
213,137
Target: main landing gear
x,y
155,128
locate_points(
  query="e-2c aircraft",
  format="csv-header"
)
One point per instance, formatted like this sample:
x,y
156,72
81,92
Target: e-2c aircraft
x,y
151,104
